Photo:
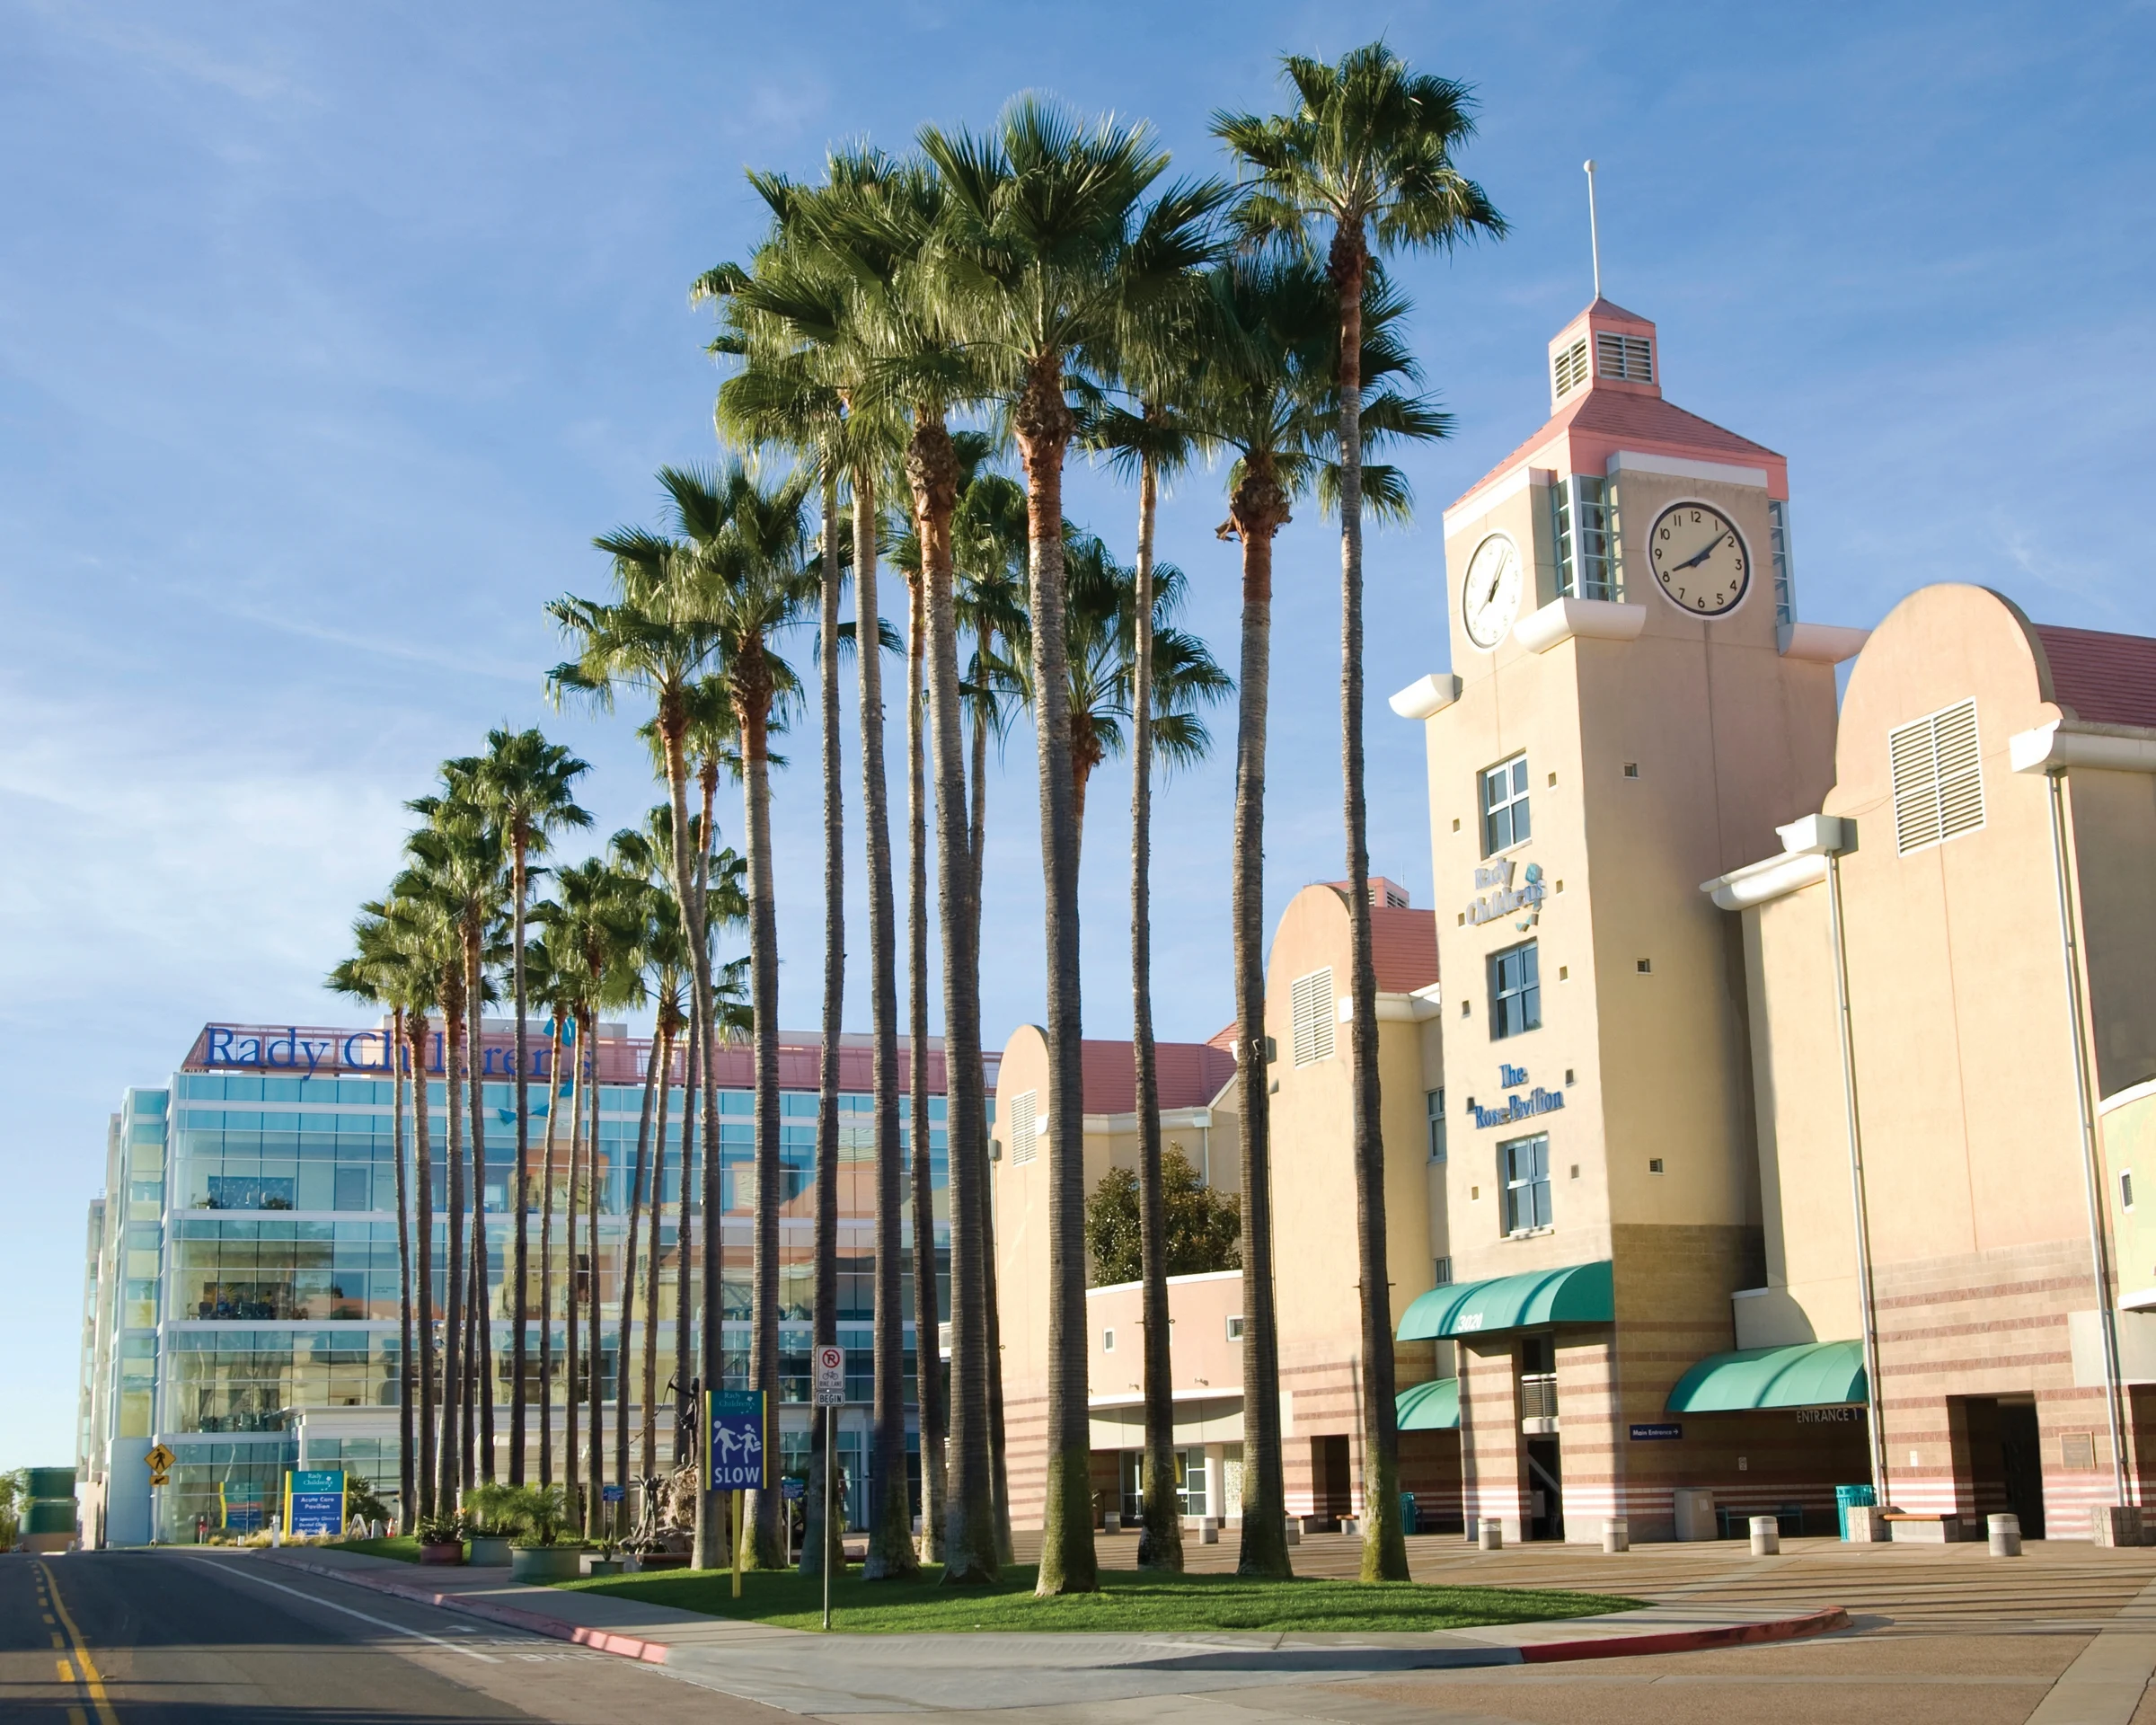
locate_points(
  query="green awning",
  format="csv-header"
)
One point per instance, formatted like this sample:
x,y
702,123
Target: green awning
x,y
1804,1375
1434,1406
1578,1293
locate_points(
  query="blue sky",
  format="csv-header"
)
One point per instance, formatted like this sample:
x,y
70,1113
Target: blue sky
x,y
329,337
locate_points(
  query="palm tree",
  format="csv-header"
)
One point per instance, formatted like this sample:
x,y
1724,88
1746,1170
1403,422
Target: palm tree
x,y
553,986
1054,245
527,786
1366,158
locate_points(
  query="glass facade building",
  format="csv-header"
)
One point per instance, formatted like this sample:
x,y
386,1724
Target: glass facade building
x,y
242,1286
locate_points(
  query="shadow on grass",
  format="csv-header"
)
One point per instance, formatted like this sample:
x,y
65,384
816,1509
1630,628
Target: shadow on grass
x,y
403,1547
1125,1604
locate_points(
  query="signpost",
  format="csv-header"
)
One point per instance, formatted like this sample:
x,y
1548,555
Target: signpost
x,y
830,1396
314,1500
737,1453
160,1463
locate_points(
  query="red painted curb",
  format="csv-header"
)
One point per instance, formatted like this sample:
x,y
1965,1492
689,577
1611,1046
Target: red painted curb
x,y
628,1646
1687,1641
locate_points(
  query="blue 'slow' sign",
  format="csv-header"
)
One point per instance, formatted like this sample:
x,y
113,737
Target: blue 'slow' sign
x,y
733,1442
1652,1434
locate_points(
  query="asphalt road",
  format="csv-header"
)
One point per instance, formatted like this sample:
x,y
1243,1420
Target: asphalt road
x,y
174,1638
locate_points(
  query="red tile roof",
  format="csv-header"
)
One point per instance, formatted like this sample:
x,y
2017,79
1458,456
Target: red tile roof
x,y
1404,945
1191,1075
2107,680
1644,422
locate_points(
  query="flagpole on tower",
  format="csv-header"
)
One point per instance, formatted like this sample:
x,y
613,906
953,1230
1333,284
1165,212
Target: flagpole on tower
x,y
1594,232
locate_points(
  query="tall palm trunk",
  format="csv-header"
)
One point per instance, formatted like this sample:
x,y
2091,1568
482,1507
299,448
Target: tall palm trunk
x,y
628,1297
406,1374
1162,1546
481,1375
1043,423
546,1257
416,1031
1384,1546
711,1535
647,1467
1259,509
970,1543
594,1388
891,1552
448,1471
520,1270
569,1477
928,1350
767,1545
817,1539
685,1245
474,1294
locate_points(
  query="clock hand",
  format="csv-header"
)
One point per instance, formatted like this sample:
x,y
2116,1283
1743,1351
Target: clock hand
x,y
1704,551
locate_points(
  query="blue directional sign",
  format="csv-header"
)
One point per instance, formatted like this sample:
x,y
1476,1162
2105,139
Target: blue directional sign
x,y
314,1500
611,1494
736,1458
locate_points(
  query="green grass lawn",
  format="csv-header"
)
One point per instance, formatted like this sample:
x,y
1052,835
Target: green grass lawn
x,y
403,1547
1128,1601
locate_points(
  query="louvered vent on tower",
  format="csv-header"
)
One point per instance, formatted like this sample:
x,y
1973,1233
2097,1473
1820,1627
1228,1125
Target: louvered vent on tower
x,y
1024,1143
1310,1005
1629,359
1571,367
1937,778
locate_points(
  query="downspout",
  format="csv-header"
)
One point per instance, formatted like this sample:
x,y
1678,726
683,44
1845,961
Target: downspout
x,y
2092,1179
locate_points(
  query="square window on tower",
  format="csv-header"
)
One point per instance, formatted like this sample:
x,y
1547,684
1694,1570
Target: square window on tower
x,y
1504,800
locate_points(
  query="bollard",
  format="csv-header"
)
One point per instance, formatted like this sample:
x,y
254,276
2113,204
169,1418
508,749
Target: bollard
x,y
1208,1531
1766,1536
1294,1530
1111,1522
1493,1536
2006,1534
1617,1534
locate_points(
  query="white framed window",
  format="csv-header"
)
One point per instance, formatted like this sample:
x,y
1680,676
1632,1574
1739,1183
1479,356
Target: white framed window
x,y
1515,991
1568,369
1432,1102
1503,797
1937,766
1108,1341
1627,358
1583,510
1524,1165
1441,1271
1236,1327
2125,1189
1311,1007
1778,542
1025,1140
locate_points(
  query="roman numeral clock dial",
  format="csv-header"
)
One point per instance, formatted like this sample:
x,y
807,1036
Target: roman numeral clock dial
x,y
1699,559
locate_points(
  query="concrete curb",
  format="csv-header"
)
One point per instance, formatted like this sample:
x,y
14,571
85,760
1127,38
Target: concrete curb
x,y
628,1646
1601,1646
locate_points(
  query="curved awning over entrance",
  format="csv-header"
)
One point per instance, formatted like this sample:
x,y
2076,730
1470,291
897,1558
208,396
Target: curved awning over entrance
x,y
1434,1406
1803,1375
1577,1294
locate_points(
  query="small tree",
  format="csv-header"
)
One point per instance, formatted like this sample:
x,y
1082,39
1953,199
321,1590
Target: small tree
x,y
1204,1226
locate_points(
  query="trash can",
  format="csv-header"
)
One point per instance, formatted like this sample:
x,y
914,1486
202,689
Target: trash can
x,y
1407,1513
1848,1498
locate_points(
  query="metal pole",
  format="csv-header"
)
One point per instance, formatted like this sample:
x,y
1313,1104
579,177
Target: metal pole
x,y
1868,1310
823,1556
1593,231
2091,1175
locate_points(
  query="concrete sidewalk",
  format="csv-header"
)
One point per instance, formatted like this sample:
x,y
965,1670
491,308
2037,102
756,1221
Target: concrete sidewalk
x,y
805,1673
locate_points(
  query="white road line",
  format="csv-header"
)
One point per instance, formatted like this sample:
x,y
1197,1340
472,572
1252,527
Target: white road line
x,y
229,1568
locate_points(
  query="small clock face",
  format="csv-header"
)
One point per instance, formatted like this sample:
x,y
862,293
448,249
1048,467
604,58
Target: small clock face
x,y
1490,599
1700,559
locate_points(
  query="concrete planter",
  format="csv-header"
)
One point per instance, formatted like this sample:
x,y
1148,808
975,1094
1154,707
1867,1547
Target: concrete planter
x,y
489,1551
595,1565
446,1554
544,1563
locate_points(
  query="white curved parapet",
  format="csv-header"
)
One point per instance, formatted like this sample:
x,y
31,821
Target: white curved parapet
x,y
1425,695
2118,748
1582,619
1823,644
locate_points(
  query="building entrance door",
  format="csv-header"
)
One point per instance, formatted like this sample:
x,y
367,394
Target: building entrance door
x,y
1332,1479
1545,1490
2020,1457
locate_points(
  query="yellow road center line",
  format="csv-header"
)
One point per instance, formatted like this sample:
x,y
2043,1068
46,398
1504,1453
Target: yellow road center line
x,y
47,1616
91,1681
75,1716
58,1641
66,1674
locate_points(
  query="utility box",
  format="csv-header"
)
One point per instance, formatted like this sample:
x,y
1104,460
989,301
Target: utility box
x,y
1693,1507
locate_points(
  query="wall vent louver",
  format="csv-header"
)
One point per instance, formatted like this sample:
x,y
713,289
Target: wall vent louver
x,y
1024,1140
1937,778
1629,359
1313,1008
1571,367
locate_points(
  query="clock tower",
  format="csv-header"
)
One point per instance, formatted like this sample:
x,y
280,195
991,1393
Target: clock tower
x,y
1632,708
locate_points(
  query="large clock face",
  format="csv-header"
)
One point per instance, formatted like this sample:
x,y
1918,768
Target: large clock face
x,y
1699,558
1489,597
